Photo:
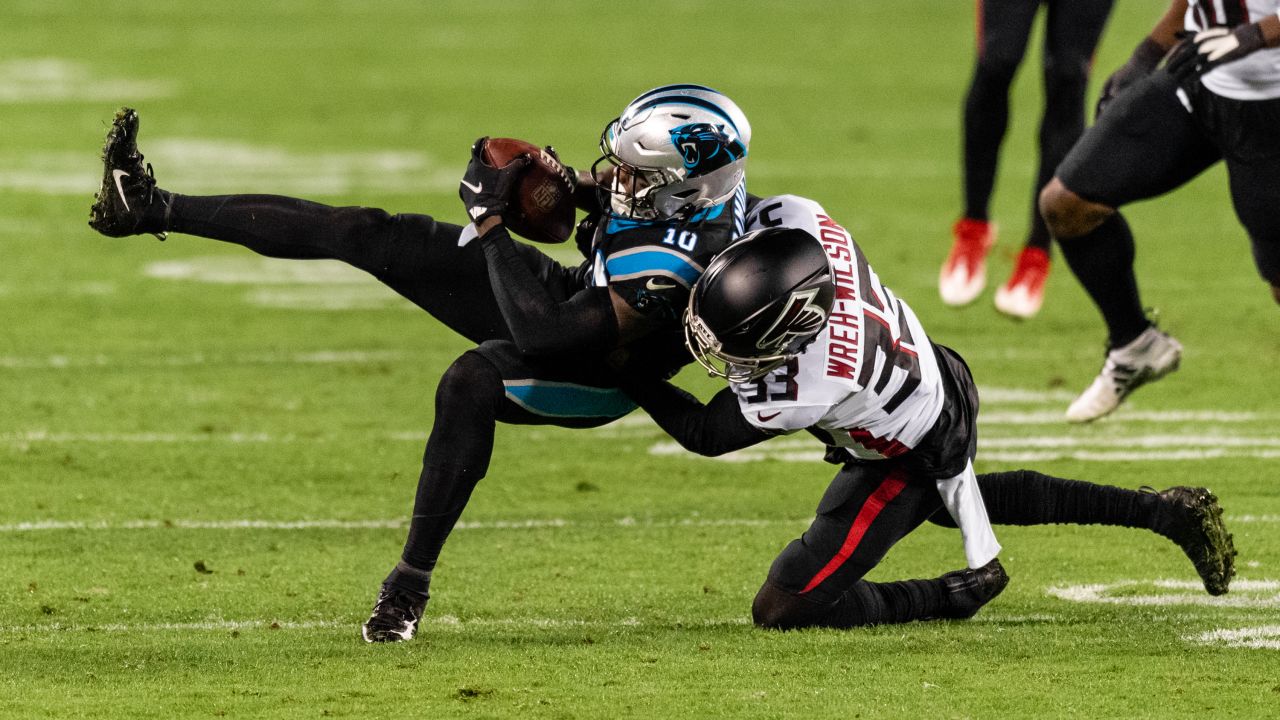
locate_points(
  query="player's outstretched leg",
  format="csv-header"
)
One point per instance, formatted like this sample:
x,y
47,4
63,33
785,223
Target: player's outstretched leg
x,y
1191,517
128,196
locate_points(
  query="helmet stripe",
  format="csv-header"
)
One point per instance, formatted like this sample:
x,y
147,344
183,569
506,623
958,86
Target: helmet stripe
x,y
673,88
685,100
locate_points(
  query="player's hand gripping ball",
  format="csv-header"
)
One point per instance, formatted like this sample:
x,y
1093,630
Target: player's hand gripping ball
x,y
541,204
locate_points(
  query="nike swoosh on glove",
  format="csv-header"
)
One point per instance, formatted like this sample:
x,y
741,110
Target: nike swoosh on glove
x,y
486,190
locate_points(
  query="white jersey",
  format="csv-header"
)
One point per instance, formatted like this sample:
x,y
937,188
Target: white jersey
x,y
1256,76
870,380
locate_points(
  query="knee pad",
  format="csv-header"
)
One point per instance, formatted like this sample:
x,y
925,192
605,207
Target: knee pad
x,y
777,609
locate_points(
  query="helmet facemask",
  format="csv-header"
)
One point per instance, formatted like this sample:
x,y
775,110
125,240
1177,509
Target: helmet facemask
x,y
628,190
710,354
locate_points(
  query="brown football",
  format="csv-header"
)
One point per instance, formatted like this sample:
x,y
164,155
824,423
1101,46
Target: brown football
x,y
543,210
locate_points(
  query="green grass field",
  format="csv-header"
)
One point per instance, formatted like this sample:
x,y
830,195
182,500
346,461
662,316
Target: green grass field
x,y
207,458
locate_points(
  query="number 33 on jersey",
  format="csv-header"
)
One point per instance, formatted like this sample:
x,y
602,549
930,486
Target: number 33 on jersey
x,y
870,379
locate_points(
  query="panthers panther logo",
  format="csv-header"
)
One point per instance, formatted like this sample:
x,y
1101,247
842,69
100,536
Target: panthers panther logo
x,y
800,319
705,147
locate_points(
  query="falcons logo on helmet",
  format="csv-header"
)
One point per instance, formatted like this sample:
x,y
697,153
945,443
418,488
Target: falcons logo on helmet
x,y
800,319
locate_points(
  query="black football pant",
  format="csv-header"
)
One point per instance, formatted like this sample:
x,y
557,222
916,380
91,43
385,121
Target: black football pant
x,y
1072,30
817,580
1148,143
419,258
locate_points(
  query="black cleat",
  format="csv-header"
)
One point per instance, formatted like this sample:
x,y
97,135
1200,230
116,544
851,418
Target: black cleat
x,y
128,185
395,615
968,590
1192,518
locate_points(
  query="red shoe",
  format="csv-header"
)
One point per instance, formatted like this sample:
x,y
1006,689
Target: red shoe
x,y
964,274
1023,295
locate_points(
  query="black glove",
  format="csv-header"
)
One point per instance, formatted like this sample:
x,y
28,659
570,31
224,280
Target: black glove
x,y
1210,48
486,190
1144,59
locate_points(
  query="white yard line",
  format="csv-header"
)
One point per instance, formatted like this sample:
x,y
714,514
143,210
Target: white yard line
x,y
1265,637
1244,593
310,357
30,526
1123,416
202,626
387,524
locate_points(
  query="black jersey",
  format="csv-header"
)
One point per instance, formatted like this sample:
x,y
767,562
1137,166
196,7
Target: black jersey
x,y
652,266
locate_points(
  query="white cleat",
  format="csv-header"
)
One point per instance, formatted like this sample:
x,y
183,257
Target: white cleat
x,y
1150,356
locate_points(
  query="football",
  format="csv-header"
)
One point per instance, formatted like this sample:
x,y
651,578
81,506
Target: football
x,y
543,210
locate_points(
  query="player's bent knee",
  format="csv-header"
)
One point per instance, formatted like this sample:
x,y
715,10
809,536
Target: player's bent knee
x,y
1275,293
470,380
1067,214
777,609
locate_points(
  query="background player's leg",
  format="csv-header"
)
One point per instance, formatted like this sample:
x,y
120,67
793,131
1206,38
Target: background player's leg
x,y
1144,145
1072,30
1253,165
1003,28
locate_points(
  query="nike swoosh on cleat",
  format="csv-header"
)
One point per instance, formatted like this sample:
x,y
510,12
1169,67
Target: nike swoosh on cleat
x,y
473,188
117,174
653,284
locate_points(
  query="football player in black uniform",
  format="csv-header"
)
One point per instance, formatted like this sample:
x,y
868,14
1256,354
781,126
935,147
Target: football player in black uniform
x,y
1072,29
809,339
671,194
1215,97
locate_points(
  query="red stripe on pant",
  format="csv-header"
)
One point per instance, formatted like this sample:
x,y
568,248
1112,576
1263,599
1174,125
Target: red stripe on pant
x,y
881,496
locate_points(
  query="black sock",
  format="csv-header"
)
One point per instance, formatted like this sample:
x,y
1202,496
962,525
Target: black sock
x,y
1026,497
456,458
1102,261
866,603
870,603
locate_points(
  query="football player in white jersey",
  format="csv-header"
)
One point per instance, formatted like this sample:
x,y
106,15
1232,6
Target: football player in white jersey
x,y
1172,111
809,339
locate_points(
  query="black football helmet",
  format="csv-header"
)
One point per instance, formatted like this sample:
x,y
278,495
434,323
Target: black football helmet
x,y
759,303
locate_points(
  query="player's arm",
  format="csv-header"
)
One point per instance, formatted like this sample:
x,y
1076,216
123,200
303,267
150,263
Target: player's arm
x,y
539,323
1147,55
715,428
